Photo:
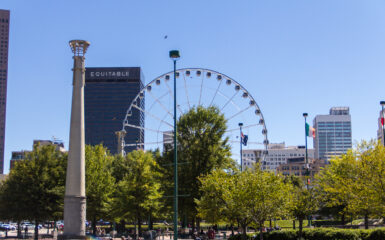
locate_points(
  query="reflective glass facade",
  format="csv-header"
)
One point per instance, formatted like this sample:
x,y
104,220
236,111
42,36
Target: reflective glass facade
x,y
333,134
107,95
4,38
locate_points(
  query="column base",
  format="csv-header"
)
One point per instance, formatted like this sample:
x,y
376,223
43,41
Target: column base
x,y
65,237
74,218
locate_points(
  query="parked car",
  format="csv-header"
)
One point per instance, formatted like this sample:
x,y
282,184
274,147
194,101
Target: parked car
x,y
7,227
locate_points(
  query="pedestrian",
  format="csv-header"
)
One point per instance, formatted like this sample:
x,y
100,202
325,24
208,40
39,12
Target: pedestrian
x,y
211,233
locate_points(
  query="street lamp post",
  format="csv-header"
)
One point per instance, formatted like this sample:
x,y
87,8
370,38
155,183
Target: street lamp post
x,y
383,121
306,160
174,55
240,141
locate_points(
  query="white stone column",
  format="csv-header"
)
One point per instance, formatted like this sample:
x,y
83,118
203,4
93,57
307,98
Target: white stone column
x,y
75,194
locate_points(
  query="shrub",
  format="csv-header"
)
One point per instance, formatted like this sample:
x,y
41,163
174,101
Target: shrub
x,y
377,234
320,223
280,235
319,234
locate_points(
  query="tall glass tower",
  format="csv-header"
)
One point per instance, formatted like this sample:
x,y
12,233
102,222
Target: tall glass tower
x,y
107,96
333,133
4,44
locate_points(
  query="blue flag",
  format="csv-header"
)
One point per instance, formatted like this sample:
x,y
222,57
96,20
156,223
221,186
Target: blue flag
x,y
244,139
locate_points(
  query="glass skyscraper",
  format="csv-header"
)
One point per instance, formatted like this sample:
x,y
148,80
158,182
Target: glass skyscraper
x,y
4,38
108,92
333,133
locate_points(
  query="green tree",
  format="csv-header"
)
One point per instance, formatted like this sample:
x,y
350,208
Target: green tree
x,y
368,185
302,201
201,149
334,184
248,196
138,194
349,181
34,189
99,182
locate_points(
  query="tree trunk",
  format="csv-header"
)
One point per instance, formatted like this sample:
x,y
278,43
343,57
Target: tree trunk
x,y
260,230
18,230
198,225
36,237
150,223
244,231
294,224
184,222
94,225
139,227
271,226
232,229
366,221
343,219
300,227
193,225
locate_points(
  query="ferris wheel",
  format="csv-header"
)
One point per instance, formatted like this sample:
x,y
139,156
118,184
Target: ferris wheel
x,y
195,87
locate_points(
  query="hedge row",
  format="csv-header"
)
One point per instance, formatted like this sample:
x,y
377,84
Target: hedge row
x,y
320,234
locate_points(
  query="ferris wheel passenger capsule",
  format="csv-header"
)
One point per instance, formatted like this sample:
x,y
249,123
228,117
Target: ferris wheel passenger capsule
x,y
167,77
228,82
257,112
177,74
188,73
245,94
149,88
219,77
264,131
237,87
199,73
252,103
157,81
261,121
208,74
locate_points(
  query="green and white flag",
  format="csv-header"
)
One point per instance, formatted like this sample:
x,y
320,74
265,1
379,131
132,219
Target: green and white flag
x,y
310,131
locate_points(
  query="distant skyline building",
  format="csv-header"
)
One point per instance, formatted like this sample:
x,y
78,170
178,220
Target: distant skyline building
x,y
297,167
278,154
4,46
333,133
108,93
17,156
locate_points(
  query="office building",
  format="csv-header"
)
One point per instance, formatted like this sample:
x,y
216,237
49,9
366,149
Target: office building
x,y
333,133
168,140
4,44
17,156
297,167
278,154
107,95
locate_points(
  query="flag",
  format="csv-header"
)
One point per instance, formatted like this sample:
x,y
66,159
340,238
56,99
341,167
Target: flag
x,y
244,139
382,121
310,132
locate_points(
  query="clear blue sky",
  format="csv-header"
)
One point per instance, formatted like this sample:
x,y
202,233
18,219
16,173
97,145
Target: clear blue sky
x,y
293,56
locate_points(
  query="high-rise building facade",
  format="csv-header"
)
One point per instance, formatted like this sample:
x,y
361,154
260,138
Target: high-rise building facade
x,y
4,44
333,133
108,92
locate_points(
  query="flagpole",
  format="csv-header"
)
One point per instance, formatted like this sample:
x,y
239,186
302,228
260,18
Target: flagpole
x,y
383,122
240,141
307,164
